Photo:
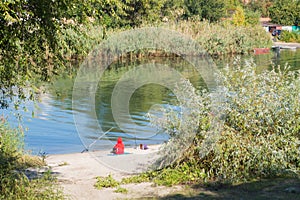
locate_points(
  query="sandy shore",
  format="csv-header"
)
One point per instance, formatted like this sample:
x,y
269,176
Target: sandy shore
x,y
76,173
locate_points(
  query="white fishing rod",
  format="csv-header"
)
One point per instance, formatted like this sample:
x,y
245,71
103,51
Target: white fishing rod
x,y
88,148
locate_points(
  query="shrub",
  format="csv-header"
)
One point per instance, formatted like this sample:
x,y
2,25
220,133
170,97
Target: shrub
x,y
259,138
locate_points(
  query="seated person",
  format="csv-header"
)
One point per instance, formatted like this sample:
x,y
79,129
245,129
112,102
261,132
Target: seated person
x,y
119,147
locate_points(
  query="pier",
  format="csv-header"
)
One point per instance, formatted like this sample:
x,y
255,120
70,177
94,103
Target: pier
x,y
283,45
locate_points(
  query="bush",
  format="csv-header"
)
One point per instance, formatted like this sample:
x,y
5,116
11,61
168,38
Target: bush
x,y
287,36
260,137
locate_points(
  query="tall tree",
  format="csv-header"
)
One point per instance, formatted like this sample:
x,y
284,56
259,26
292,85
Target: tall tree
x,y
140,11
211,10
285,12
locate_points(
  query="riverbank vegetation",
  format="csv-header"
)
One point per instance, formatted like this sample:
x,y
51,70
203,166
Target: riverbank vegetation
x,y
14,184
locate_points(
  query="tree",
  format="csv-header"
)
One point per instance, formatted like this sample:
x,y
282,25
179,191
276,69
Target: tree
x,y
211,10
238,18
285,12
261,6
192,8
29,37
27,33
140,11
251,17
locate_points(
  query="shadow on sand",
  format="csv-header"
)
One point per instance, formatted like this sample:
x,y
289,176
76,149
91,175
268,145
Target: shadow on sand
x,y
279,188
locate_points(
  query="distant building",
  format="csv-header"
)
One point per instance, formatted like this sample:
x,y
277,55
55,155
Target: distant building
x,y
270,27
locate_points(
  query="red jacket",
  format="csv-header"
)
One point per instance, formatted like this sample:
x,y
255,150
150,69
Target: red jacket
x,y
119,147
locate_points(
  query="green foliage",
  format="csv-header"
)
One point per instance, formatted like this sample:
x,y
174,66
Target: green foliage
x,y
106,182
186,173
211,10
27,38
13,183
287,36
121,190
110,182
232,3
261,7
144,11
260,135
143,177
9,148
285,12
39,39
193,8
173,10
76,42
252,18
109,13
224,38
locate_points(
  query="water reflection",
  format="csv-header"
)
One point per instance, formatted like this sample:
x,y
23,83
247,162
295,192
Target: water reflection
x,y
52,129
135,127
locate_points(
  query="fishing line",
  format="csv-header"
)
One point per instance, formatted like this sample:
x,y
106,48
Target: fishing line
x,y
88,148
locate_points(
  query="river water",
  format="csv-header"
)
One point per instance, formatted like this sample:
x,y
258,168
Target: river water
x,y
52,128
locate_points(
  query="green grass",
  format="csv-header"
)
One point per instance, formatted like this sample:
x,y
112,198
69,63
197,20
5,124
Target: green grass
x,y
106,182
121,190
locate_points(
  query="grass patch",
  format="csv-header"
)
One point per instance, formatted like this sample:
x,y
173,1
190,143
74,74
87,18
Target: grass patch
x,y
106,182
27,160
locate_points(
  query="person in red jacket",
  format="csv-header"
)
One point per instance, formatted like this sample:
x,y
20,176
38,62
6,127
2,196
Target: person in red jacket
x,y
119,147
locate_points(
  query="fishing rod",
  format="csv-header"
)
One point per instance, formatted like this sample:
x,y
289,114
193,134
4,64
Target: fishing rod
x,y
88,148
